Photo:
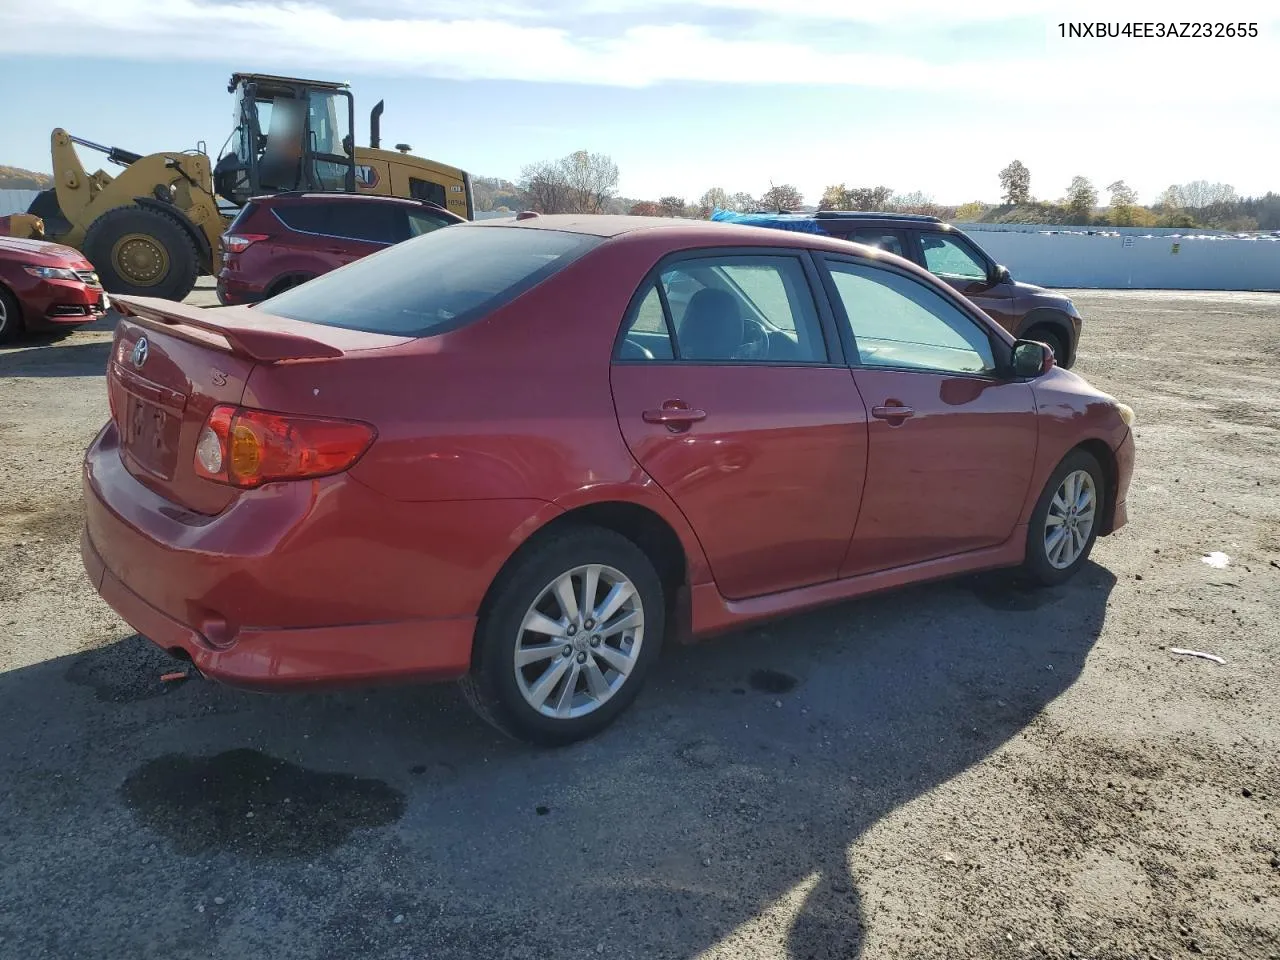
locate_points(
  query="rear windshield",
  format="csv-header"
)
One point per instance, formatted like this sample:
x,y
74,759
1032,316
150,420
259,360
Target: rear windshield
x,y
434,282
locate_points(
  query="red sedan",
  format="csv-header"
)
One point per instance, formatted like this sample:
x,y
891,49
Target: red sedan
x,y
45,286
519,454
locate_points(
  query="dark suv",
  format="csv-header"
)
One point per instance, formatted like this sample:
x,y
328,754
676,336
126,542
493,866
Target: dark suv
x,y
1026,311
280,241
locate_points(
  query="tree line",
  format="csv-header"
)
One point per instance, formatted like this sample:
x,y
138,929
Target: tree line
x,y
585,182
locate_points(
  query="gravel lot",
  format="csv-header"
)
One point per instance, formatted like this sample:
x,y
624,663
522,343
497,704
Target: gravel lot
x,y
958,770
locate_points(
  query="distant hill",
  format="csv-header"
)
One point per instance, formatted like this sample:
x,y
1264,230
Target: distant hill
x,y
15,178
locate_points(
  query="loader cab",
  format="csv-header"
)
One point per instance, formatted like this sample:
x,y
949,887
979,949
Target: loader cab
x,y
290,134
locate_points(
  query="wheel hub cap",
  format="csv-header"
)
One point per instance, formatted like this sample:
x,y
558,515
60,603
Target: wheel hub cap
x,y
140,259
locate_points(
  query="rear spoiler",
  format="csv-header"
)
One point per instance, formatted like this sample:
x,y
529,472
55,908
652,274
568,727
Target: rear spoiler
x,y
257,336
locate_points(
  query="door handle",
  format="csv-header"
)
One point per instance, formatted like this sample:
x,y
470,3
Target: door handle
x,y
675,415
895,413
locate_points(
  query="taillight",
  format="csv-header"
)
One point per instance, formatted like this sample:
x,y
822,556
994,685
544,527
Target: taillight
x,y
247,448
240,242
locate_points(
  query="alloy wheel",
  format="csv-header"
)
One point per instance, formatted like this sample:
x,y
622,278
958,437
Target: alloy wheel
x,y
1070,519
579,641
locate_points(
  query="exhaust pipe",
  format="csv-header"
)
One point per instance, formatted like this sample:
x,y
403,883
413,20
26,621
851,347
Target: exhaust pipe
x,y
375,125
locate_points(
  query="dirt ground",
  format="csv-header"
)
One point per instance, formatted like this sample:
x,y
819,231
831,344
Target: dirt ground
x,y
959,770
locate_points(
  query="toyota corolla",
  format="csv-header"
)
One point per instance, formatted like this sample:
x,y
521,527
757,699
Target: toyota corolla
x,y
522,454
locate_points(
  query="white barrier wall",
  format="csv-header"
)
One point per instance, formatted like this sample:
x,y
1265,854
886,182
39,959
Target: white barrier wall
x,y
1156,263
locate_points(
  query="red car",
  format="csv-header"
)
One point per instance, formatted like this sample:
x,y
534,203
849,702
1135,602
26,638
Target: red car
x,y
520,454
280,241
46,286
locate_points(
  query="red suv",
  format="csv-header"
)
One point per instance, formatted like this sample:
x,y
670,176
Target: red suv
x,y
280,241
45,286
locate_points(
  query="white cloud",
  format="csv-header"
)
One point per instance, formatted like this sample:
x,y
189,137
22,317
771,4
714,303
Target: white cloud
x,y
648,43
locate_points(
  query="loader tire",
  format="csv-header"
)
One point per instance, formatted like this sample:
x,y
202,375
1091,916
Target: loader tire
x,y
142,252
46,207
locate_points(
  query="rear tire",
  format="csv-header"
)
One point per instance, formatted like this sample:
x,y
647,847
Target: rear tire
x,y
142,252
572,682
11,325
287,283
1060,538
46,207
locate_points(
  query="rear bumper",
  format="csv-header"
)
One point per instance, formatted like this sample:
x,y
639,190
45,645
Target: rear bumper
x,y
233,292
309,658
295,585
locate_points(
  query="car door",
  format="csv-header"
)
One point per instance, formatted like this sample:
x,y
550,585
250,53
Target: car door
x,y
951,441
732,395
957,262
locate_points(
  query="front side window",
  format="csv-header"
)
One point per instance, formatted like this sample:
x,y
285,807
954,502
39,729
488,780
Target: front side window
x,y
472,271
949,257
897,321
732,308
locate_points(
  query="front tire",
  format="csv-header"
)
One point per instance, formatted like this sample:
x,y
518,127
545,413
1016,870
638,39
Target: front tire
x,y
1055,343
143,253
11,325
1064,525
568,636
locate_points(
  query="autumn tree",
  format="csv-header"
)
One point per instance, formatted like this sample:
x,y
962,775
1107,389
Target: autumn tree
x,y
782,197
869,198
835,197
1171,199
915,202
671,206
645,208
717,198
1015,184
743,203
1201,193
582,182
1082,197
971,212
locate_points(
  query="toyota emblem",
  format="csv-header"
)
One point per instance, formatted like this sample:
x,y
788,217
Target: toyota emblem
x,y
140,352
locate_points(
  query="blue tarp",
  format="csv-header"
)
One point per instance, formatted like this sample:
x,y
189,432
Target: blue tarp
x,y
776,221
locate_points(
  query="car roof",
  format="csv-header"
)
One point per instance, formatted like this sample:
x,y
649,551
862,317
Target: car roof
x,y
679,233
871,215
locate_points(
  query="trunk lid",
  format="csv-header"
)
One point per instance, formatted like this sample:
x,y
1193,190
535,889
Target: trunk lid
x,y
172,363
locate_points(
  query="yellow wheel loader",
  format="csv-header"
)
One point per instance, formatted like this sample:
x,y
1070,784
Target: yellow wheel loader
x,y
154,227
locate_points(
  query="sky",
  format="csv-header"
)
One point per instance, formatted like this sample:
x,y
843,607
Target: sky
x,y
920,95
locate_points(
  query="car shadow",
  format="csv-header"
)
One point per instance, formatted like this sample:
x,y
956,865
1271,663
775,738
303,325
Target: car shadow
x,y
184,819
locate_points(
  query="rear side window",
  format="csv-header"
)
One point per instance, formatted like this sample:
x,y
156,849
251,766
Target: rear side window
x,y
370,222
305,217
735,308
432,283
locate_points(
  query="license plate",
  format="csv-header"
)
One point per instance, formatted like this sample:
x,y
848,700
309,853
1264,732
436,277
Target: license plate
x,y
106,302
151,436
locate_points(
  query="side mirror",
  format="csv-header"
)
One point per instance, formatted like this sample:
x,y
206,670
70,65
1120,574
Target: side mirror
x,y
1001,275
1032,358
